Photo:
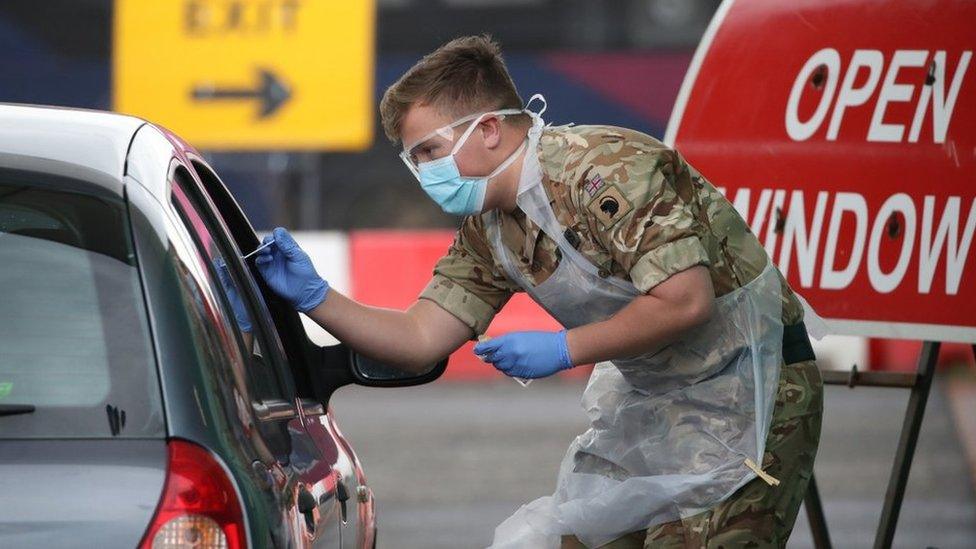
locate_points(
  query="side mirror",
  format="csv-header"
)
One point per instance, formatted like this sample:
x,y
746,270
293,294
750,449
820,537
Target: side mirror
x,y
336,366
373,373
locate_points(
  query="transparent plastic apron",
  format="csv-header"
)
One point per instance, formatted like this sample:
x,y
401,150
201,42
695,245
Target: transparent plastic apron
x,y
670,432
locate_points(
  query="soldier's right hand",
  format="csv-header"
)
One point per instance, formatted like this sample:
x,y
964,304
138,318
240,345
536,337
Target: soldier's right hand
x,y
288,270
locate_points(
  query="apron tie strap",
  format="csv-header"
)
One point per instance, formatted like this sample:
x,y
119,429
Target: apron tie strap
x,y
770,480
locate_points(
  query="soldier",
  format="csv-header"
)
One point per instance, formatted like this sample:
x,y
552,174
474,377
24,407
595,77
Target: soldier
x,y
705,403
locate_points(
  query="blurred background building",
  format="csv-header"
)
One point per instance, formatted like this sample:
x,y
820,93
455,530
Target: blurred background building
x,y
613,62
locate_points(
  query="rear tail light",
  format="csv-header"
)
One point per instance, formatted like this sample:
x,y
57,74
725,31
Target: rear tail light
x,y
199,507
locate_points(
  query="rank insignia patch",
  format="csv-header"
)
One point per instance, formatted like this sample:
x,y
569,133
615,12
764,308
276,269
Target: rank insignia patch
x,y
610,207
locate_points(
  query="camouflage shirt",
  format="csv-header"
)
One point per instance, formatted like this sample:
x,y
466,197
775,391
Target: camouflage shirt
x,y
632,206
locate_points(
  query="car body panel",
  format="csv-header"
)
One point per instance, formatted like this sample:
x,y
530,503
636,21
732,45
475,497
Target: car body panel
x,y
360,518
203,411
88,140
309,467
79,493
306,456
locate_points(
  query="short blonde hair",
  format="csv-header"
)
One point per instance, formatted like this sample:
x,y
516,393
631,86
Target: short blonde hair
x,y
464,76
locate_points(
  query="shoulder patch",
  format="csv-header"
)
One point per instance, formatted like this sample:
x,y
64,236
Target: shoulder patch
x,y
593,185
610,207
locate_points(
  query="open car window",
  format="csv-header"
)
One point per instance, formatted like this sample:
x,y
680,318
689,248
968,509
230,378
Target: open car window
x,y
225,275
286,320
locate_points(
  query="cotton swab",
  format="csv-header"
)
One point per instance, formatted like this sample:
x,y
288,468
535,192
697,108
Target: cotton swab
x,y
258,249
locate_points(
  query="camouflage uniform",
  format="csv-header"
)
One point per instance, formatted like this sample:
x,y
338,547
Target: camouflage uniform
x,y
637,211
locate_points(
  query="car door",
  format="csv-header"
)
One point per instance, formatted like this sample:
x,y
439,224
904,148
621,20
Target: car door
x,y
352,496
310,483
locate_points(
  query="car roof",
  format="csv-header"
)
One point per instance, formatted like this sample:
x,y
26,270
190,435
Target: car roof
x,y
79,143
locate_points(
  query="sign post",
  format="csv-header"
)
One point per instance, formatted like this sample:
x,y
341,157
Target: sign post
x,y
846,138
237,75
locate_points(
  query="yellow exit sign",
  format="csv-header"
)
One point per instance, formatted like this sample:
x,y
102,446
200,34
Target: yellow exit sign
x,y
248,74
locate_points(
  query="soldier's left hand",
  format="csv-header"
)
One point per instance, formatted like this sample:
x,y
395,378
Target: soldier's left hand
x,y
527,355
230,290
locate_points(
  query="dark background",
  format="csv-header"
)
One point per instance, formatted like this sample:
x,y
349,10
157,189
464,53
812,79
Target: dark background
x,y
612,62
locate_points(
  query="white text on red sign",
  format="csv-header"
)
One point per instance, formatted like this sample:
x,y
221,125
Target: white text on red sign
x,y
934,96
929,230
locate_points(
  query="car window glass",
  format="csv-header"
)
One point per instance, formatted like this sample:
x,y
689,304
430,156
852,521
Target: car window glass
x,y
225,279
286,324
74,335
227,209
221,355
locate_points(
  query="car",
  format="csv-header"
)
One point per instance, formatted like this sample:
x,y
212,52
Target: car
x,y
153,391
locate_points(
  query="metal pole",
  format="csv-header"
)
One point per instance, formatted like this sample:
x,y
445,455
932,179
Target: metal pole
x,y
906,445
310,192
276,166
815,514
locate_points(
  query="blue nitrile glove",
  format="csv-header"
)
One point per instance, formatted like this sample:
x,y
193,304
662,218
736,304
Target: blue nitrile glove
x,y
290,273
527,355
230,290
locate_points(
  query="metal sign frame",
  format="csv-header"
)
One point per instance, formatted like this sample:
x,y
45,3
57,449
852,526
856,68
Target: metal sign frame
x,y
920,384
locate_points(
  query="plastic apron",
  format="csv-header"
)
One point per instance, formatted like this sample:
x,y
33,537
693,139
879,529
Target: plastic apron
x,y
670,432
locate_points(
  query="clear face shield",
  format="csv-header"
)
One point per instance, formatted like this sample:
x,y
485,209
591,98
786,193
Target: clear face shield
x,y
445,140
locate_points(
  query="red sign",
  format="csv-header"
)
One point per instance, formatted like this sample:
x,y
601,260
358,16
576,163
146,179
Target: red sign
x,y
845,135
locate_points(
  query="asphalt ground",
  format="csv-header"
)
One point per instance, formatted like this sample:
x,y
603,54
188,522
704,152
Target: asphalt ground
x,y
449,461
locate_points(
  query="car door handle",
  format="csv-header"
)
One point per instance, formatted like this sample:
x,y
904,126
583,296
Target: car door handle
x,y
311,407
306,501
306,506
342,494
274,410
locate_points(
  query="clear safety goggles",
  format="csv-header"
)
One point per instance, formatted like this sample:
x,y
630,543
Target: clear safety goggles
x,y
441,142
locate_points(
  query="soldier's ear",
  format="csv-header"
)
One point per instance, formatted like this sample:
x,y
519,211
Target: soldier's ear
x,y
491,131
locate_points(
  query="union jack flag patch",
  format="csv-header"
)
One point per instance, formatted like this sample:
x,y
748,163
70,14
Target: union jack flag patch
x,y
593,185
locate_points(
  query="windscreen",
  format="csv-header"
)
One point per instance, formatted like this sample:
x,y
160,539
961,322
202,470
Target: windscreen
x,y
75,353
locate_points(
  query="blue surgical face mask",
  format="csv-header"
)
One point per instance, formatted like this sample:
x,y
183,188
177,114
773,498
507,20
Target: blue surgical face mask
x,y
442,180
457,195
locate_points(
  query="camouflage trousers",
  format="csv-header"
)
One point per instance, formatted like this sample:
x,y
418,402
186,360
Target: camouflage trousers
x,y
757,515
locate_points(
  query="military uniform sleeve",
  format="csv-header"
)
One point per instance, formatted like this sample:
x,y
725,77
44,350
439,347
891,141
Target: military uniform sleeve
x,y
645,210
466,282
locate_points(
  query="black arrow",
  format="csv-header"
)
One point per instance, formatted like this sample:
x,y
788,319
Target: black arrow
x,y
271,91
